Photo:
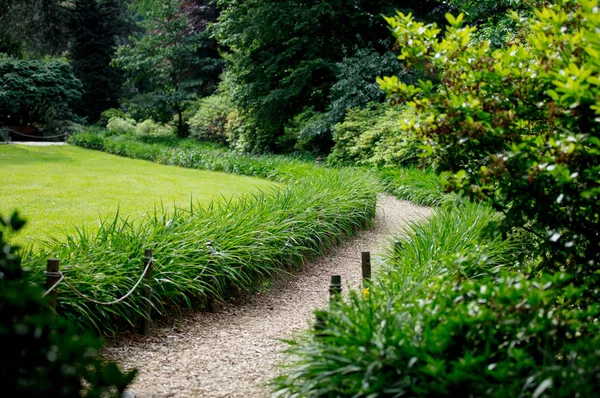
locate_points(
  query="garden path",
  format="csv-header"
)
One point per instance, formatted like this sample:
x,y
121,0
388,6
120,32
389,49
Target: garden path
x,y
233,352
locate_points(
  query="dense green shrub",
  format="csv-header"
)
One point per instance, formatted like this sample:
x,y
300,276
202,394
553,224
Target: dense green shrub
x,y
110,113
518,126
374,137
36,91
210,119
42,356
124,126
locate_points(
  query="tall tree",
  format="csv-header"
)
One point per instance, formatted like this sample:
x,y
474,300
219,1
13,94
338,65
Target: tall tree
x,y
176,59
95,26
33,27
282,53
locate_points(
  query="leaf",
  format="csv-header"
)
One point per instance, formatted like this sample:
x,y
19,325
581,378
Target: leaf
x,y
544,385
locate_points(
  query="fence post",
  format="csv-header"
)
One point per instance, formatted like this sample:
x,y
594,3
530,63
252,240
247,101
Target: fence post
x,y
335,288
366,269
146,320
51,279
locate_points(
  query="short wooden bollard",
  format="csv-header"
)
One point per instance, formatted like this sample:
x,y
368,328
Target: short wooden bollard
x,y
335,288
52,277
366,269
146,320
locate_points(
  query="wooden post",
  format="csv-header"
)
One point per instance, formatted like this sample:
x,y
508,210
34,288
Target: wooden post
x,y
366,269
51,280
335,289
146,320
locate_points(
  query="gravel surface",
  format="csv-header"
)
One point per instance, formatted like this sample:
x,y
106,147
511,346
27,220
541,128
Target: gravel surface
x,y
37,143
233,351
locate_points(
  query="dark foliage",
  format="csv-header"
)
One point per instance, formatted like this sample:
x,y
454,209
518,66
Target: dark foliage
x,y
42,356
94,28
283,54
36,91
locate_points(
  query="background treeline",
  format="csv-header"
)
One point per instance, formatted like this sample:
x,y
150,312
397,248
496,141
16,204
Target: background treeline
x,y
256,75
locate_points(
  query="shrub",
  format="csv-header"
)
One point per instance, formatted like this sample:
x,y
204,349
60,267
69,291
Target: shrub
x,y
150,127
210,119
518,126
109,114
118,125
375,137
42,356
36,91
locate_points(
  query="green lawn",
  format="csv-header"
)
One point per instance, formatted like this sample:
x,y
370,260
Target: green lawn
x,y
59,188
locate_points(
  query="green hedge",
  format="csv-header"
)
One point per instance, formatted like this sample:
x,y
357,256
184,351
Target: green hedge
x,y
209,252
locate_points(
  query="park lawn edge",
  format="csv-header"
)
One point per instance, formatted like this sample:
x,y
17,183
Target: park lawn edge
x,y
211,253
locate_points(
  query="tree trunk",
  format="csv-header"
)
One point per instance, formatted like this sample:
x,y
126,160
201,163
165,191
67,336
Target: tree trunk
x,y
181,132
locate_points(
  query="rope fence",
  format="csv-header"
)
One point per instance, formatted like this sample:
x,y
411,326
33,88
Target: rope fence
x,y
91,300
54,277
6,137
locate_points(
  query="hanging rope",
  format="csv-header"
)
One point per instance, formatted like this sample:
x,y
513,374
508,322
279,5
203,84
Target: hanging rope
x,y
35,136
62,278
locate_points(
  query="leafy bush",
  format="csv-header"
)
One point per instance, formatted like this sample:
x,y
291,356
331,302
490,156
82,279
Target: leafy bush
x,y
519,125
43,356
36,91
210,119
375,137
118,125
127,126
109,114
150,127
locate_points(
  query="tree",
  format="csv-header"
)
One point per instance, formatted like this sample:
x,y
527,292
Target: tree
x,y
282,54
518,126
37,91
94,28
33,27
175,60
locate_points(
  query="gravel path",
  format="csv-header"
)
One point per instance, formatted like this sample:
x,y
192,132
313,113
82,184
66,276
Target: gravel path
x,y
233,351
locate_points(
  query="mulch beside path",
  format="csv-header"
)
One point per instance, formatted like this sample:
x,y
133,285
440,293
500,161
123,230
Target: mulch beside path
x,y
233,352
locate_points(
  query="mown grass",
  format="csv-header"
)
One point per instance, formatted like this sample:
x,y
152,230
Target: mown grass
x,y
61,188
212,252
356,353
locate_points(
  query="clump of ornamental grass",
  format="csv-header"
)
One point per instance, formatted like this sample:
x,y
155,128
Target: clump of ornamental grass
x,y
421,186
356,352
205,253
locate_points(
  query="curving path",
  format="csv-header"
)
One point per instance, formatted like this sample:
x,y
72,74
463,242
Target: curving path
x,y
233,351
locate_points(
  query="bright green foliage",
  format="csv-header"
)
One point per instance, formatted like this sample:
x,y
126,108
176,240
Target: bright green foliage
x,y
70,188
36,91
42,356
374,136
422,186
125,125
518,126
165,62
210,119
283,55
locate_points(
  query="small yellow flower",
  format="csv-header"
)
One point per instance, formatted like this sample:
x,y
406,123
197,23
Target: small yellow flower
x,y
366,292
